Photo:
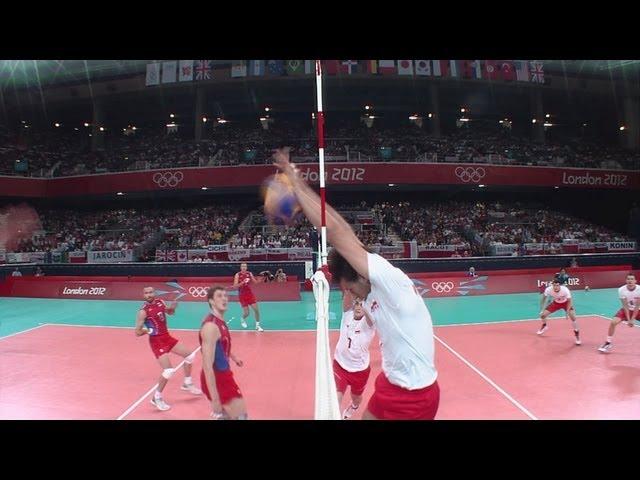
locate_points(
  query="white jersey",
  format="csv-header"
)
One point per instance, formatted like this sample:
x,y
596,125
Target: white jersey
x,y
632,296
404,326
559,297
352,350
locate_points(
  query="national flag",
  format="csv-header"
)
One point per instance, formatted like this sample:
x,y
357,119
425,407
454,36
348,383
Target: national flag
x,y
387,67
455,67
153,74
310,67
522,70
295,67
440,68
507,70
331,67
369,66
275,67
238,68
256,68
491,71
203,70
405,67
169,72
348,66
186,71
423,67
537,72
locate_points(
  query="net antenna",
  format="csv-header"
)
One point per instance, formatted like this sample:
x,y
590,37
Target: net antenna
x,y
326,397
320,132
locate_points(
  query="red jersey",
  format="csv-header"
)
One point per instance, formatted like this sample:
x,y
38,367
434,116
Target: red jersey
x,y
223,344
156,317
244,289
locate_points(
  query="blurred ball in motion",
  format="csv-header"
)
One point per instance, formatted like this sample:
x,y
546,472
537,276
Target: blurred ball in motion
x,y
17,223
280,203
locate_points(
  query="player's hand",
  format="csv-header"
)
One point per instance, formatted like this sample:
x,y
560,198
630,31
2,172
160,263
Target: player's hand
x,y
239,362
281,159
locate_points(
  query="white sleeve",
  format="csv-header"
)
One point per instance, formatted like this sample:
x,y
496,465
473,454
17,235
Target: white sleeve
x,y
621,293
388,280
547,291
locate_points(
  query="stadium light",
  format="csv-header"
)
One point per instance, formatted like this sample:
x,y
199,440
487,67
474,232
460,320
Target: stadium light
x,y
413,117
204,188
23,121
102,129
464,119
56,124
623,128
547,115
262,119
204,119
534,120
430,115
313,115
463,110
133,128
547,124
171,115
222,120
75,128
367,107
267,109
86,124
120,193
392,184
481,185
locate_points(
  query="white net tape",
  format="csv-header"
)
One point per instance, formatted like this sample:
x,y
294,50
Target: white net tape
x,y
326,398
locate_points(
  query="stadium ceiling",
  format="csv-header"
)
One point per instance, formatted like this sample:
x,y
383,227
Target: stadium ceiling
x,y
40,73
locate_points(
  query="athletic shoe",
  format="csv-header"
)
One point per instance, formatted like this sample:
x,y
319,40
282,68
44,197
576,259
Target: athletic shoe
x,y
348,413
160,404
578,341
543,329
243,323
191,388
259,328
606,347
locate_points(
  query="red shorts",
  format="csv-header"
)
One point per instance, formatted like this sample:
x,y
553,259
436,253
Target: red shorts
x,y
620,314
161,344
356,380
390,402
225,384
555,306
247,299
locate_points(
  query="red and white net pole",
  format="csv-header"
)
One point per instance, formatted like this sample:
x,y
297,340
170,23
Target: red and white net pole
x,y
320,125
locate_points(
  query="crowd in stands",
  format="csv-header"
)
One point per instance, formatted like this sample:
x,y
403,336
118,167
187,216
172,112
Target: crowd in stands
x,y
471,226
61,153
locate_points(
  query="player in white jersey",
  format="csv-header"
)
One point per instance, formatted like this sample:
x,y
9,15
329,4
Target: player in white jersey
x,y
351,360
559,297
407,387
629,295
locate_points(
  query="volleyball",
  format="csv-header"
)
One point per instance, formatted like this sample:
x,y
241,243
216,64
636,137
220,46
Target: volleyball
x,y
280,203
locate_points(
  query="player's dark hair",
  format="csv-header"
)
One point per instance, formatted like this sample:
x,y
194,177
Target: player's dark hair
x,y
555,280
212,291
341,269
631,274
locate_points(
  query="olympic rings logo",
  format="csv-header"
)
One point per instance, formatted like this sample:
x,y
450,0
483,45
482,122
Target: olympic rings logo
x,y
199,292
167,179
470,174
442,287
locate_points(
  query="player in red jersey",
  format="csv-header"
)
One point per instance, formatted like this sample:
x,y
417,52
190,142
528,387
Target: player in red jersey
x,y
242,281
152,321
216,377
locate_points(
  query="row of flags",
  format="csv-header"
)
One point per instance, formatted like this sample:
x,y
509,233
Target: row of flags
x,y
198,70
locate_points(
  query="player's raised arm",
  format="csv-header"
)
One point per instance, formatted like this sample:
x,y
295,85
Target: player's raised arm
x,y
339,233
210,335
253,279
171,308
140,328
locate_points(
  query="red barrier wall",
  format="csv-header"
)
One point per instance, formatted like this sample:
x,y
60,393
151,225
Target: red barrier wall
x,y
453,284
119,288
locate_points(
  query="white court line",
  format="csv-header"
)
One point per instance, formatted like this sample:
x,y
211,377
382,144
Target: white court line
x,y
488,380
24,331
141,399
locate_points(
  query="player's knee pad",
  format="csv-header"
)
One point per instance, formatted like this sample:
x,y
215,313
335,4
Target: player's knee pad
x,y
167,373
189,358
